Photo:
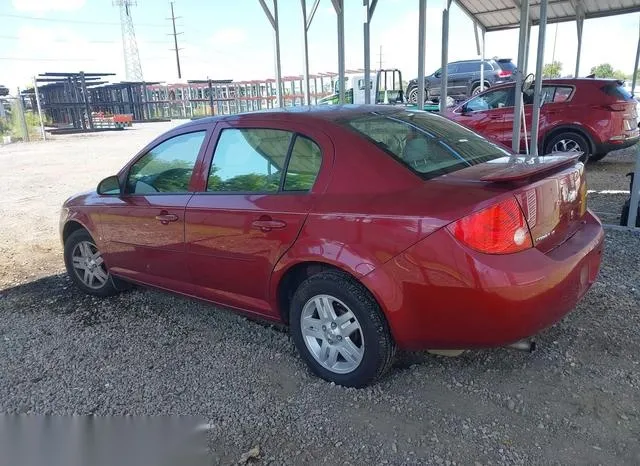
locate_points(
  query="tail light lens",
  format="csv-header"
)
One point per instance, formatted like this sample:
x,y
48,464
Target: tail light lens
x,y
504,73
499,229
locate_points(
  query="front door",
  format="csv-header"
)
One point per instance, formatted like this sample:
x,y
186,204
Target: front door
x,y
486,114
260,187
144,227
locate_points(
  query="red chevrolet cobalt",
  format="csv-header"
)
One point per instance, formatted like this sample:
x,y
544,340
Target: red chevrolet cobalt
x,y
364,228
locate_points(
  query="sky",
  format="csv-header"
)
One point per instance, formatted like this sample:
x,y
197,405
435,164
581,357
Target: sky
x,y
232,39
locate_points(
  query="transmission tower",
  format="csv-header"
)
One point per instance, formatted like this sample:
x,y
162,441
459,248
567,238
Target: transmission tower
x,y
132,67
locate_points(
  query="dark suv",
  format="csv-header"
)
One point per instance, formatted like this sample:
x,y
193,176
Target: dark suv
x,y
464,79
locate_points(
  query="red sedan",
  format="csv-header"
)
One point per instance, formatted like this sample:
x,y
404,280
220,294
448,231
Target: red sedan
x,y
592,116
366,229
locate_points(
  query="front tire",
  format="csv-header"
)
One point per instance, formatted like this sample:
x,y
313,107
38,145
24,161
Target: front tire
x,y
567,142
85,265
340,330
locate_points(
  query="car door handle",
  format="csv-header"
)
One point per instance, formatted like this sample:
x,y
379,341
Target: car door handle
x,y
166,217
268,224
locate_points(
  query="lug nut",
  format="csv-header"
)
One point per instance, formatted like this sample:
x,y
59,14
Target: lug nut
x,y
324,327
339,338
333,325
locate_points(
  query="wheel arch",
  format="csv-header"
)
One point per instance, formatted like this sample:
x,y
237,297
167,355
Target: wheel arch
x,y
476,83
571,128
70,227
291,277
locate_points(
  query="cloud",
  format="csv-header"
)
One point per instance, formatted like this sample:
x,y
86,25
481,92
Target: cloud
x,y
229,36
43,6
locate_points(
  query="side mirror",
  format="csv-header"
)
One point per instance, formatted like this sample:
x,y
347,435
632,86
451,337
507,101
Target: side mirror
x,y
437,74
109,186
464,109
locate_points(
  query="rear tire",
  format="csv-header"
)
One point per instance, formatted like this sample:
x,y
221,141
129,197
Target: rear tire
x,y
332,318
569,141
476,89
85,265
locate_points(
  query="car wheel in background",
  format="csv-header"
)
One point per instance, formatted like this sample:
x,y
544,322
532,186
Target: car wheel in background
x,y
85,265
568,142
476,89
412,96
340,331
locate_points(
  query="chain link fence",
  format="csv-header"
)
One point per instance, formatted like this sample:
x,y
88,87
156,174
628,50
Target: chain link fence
x,y
18,123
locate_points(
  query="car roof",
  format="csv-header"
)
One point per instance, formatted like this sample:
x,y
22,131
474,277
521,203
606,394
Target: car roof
x,y
566,81
311,113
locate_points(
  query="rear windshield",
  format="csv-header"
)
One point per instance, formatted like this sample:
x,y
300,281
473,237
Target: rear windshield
x,y
428,144
618,91
507,65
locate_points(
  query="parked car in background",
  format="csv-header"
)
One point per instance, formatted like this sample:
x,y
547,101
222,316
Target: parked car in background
x,y
365,228
593,116
463,79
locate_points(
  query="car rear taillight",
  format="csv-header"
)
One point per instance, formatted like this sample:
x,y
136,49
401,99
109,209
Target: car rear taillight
x,y
499,229
504,73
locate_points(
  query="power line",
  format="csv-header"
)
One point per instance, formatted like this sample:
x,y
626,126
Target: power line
x,y
75,21
86,40
175,40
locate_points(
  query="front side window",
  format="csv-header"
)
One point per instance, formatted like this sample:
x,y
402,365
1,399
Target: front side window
x,y
499,98
249,160
430,145
167,168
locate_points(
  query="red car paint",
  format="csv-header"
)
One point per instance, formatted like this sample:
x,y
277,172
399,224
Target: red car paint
x,y
369,216
609,122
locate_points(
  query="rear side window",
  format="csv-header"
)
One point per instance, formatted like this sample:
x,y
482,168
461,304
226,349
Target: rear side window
x,y
249,160
430,145
260,160
617,90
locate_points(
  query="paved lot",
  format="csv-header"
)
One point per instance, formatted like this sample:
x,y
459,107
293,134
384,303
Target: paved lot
x,y
575,400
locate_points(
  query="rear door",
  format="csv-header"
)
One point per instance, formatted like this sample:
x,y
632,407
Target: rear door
x,y
466,73
144,227
261,183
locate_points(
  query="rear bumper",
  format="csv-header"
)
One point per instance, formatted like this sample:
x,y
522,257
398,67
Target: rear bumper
x,y
439,294
606,147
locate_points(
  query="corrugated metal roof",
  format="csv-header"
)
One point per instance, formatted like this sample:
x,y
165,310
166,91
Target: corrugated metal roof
x,y
495,15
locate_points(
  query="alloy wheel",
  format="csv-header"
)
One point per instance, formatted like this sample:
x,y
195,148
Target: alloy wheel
x,y
566,145
332,334
88,265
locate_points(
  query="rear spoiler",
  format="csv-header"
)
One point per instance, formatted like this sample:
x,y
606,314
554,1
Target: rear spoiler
x,y
515,168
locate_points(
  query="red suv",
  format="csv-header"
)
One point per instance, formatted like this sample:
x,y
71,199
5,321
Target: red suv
x,y
593,116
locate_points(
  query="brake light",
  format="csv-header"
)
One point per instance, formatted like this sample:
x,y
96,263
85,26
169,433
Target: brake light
x,y
504,73
499,229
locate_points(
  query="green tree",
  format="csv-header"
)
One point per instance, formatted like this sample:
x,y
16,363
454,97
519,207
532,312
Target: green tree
x,y
605,70
552,70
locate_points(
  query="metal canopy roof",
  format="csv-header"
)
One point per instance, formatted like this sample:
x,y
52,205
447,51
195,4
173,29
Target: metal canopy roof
x,y
497,15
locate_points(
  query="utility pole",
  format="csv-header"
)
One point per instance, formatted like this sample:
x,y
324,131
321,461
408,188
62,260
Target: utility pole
x,y
175,40
555,38
380,59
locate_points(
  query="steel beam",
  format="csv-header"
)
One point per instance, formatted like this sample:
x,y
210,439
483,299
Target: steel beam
x,y
422,29
537,93
482,62
338,6
273,19
635,67
579,25
37,93
635,192
522,58
444,76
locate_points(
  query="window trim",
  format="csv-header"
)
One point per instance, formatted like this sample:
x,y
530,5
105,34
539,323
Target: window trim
x,y
281,190
203,146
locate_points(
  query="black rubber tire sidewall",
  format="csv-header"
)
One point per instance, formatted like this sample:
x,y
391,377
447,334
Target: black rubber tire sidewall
x,y
581,140
413,92
77,236
379,345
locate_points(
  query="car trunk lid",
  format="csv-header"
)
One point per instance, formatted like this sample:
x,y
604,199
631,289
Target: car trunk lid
x,y
551,192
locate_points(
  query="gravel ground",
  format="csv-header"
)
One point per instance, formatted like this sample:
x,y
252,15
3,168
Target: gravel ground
x,y
574,401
